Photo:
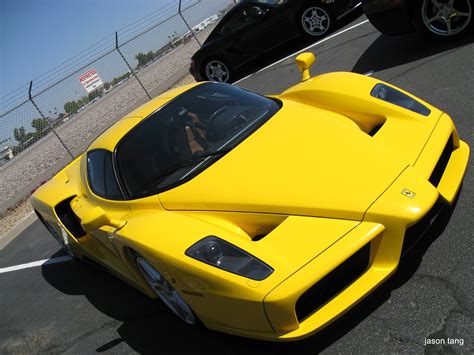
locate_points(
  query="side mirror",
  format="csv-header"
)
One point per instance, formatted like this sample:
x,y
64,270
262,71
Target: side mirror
x,y
304,61
96,218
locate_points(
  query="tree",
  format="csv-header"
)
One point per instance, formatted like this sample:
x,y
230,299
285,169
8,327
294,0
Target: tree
x,y
150,56
71,107
94,94
83,101
39,124
20,135
142,59
106,85
115,81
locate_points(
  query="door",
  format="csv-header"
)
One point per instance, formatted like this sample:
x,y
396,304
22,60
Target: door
x,y
102,190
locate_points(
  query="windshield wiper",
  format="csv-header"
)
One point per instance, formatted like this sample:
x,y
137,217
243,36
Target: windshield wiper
x,y
204,155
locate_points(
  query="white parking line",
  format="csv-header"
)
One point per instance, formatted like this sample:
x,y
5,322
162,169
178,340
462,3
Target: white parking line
x,y
305,49
59,259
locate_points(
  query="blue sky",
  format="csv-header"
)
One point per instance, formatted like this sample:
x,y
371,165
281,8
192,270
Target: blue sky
x,y
45,40
38,35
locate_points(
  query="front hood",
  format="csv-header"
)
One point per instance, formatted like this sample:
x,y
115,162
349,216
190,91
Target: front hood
x,y
303,161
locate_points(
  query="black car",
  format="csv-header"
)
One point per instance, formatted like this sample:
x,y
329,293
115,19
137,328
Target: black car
x,y
441,19
252,28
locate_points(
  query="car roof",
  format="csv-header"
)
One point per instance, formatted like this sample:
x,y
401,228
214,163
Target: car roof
x,y
112,135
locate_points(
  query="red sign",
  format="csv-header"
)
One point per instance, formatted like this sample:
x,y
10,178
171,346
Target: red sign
x,y
91,81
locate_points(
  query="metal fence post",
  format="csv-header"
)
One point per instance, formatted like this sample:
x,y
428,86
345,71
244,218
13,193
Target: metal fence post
x,y
129,67
49,123
187,24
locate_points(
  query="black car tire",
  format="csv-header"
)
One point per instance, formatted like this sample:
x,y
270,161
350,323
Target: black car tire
x,y
430,18
315,20
216,69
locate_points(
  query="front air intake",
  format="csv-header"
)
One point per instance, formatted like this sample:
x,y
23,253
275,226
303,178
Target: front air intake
x,y
333,283
440,167
417,231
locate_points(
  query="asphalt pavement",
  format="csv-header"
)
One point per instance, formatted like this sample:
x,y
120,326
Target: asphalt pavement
x,y
75,308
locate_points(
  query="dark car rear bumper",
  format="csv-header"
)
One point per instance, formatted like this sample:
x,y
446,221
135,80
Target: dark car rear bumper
x,y
391,17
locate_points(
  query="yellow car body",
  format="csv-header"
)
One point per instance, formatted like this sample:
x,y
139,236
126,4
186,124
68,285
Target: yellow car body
x,y
314,193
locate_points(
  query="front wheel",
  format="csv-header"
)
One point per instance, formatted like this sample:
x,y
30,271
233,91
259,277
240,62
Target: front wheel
x,y
166,292
444,19
217,70
315,20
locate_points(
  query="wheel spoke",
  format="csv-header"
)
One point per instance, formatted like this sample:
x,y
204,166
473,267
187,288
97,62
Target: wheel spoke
x,y
436,3
462,14
448,25
177,307
434,18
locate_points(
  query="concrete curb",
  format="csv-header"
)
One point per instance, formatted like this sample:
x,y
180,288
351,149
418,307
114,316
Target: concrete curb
x,y
17,230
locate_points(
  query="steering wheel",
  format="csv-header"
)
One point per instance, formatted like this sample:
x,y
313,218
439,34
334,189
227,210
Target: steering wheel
x,y
213,117
238,121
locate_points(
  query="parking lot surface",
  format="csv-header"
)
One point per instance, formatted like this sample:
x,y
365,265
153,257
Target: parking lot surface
x,y
75,308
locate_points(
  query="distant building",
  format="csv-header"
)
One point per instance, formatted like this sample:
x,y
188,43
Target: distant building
x,y
203,24
5,155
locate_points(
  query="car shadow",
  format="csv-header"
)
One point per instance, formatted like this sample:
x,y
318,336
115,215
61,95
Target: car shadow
x,y
391,51
148,326
291,47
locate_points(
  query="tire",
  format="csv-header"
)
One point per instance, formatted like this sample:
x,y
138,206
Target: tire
x,y
439,20
61,239
315,20
166,292
216,69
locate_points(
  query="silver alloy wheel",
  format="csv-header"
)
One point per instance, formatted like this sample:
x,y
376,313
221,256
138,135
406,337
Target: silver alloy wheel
x,y
315,21
217,71
165,291
443,17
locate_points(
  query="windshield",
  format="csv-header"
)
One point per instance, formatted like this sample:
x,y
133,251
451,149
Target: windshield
x,y
187,134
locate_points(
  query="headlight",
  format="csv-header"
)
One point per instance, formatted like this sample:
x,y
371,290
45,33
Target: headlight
x,y
389,94
217,252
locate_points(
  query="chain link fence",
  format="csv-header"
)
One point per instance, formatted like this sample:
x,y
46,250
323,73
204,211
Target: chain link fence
x,y
45,125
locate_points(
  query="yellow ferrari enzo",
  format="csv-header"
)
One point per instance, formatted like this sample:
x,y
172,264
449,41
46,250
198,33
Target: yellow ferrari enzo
x,y
264,217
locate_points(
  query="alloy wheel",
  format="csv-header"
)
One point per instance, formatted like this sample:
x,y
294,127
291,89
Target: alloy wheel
x,y
315,21
217,71
446,17
165,291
